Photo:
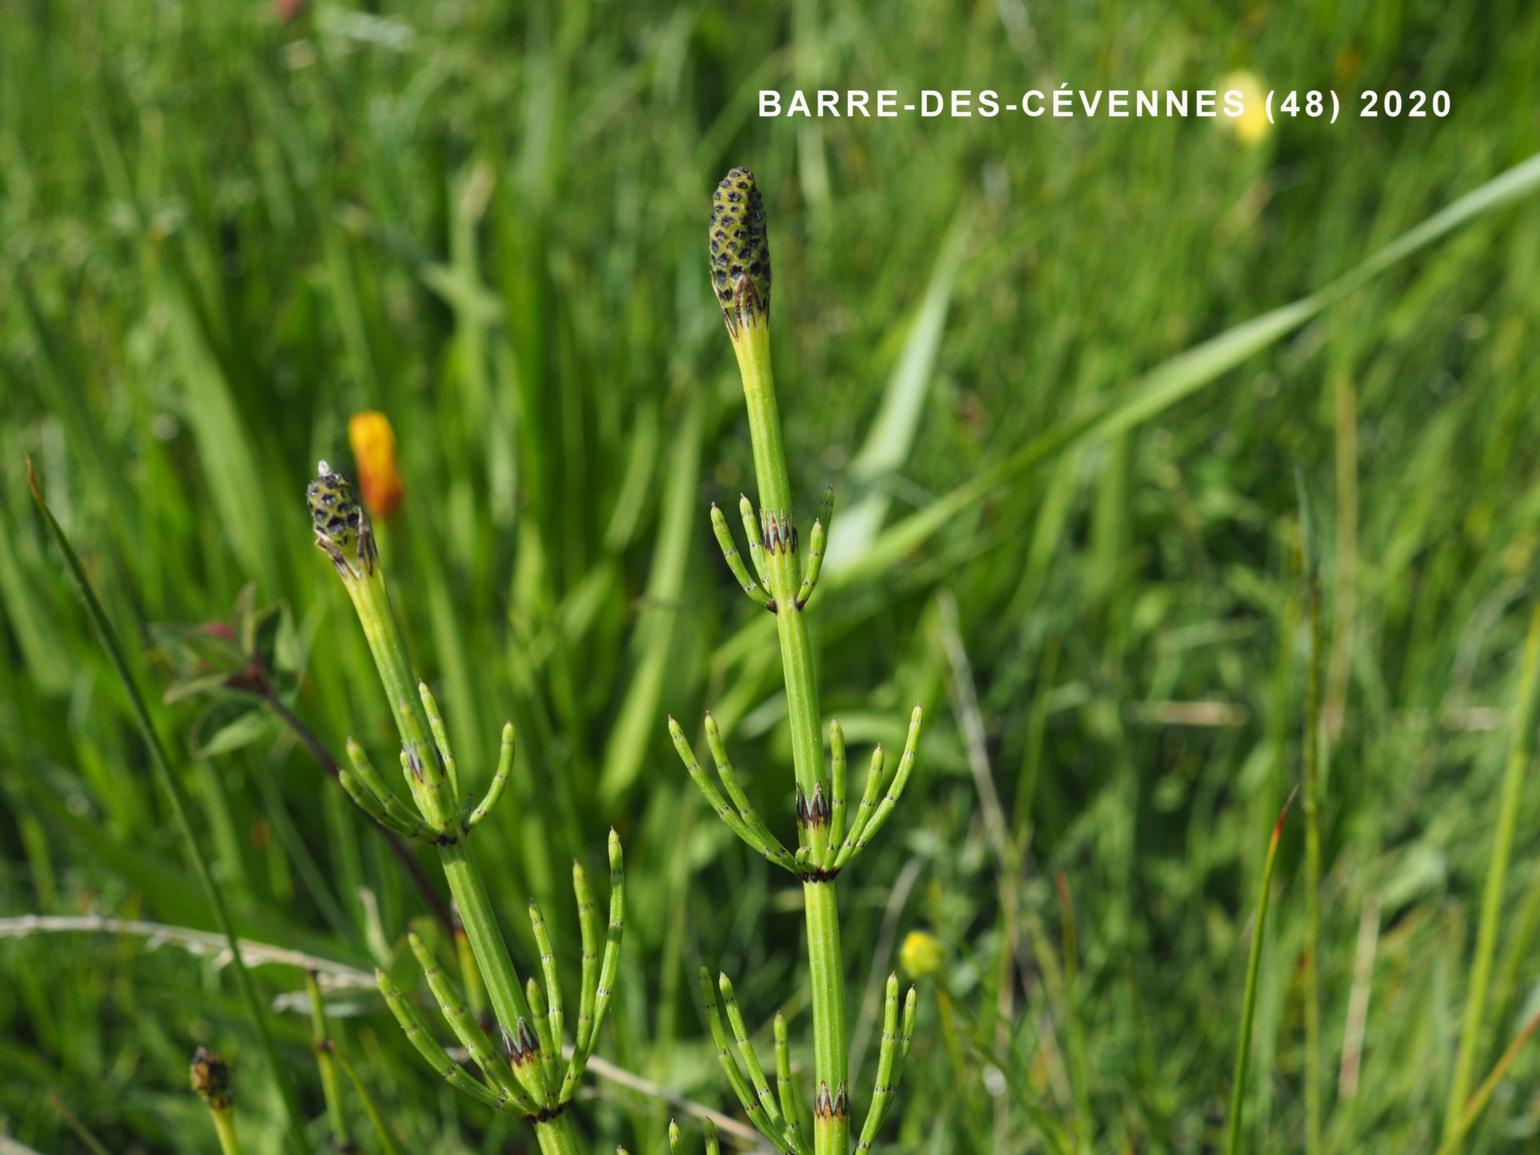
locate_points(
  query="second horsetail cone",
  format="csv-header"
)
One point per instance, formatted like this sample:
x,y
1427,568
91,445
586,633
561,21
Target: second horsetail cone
x,y
341,526
210,1078
740,250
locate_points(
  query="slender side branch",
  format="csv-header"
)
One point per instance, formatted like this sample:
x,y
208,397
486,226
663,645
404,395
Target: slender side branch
x,y
860,837
499,781
839,787
755,589
554,1022
525,1090
772,847
757,835
785,1088
758,1103
816,549
756,543
676,1146
433,1054
890,1060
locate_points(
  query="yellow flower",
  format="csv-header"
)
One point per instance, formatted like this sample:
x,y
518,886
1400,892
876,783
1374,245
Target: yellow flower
x,y
374,449
1251,126
921,955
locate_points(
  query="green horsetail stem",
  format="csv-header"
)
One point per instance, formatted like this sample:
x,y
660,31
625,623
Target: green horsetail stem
x,y
528,1076
782,581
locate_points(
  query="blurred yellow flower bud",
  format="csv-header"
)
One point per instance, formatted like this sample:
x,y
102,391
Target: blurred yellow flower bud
x,y
921,955
1251,126
374,449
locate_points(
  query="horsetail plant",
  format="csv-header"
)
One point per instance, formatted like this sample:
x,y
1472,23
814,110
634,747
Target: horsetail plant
x,y
829,837
530,1073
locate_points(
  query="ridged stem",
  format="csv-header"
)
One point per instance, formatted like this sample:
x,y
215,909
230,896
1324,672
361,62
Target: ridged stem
x,y
504,988
753,349
556,1136
372,603
224,1127
831,1128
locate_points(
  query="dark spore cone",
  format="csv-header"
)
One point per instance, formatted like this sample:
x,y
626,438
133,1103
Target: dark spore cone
x,y
341,526
210,1078
739,243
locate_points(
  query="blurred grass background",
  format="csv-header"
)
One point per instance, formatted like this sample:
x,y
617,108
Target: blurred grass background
x,y
223,231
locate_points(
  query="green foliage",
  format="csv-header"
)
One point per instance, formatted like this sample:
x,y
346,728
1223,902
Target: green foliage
x,y
1075,366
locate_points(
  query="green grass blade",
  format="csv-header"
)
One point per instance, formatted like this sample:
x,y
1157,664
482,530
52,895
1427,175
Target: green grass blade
x,y
1520,745
897,424
636,721
1483,1094
1253,969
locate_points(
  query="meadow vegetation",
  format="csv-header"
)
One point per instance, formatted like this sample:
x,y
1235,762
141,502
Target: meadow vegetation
x,y
1133,424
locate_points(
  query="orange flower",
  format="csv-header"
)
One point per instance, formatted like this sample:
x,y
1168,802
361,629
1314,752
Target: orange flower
x,y
374,449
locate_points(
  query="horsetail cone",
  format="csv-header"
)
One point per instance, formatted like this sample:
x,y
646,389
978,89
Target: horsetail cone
x,y
342,528
740,251
738,240
210,1079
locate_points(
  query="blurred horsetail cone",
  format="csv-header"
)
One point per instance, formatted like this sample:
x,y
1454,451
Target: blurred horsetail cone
x,y
341,526
210,1078
740,250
